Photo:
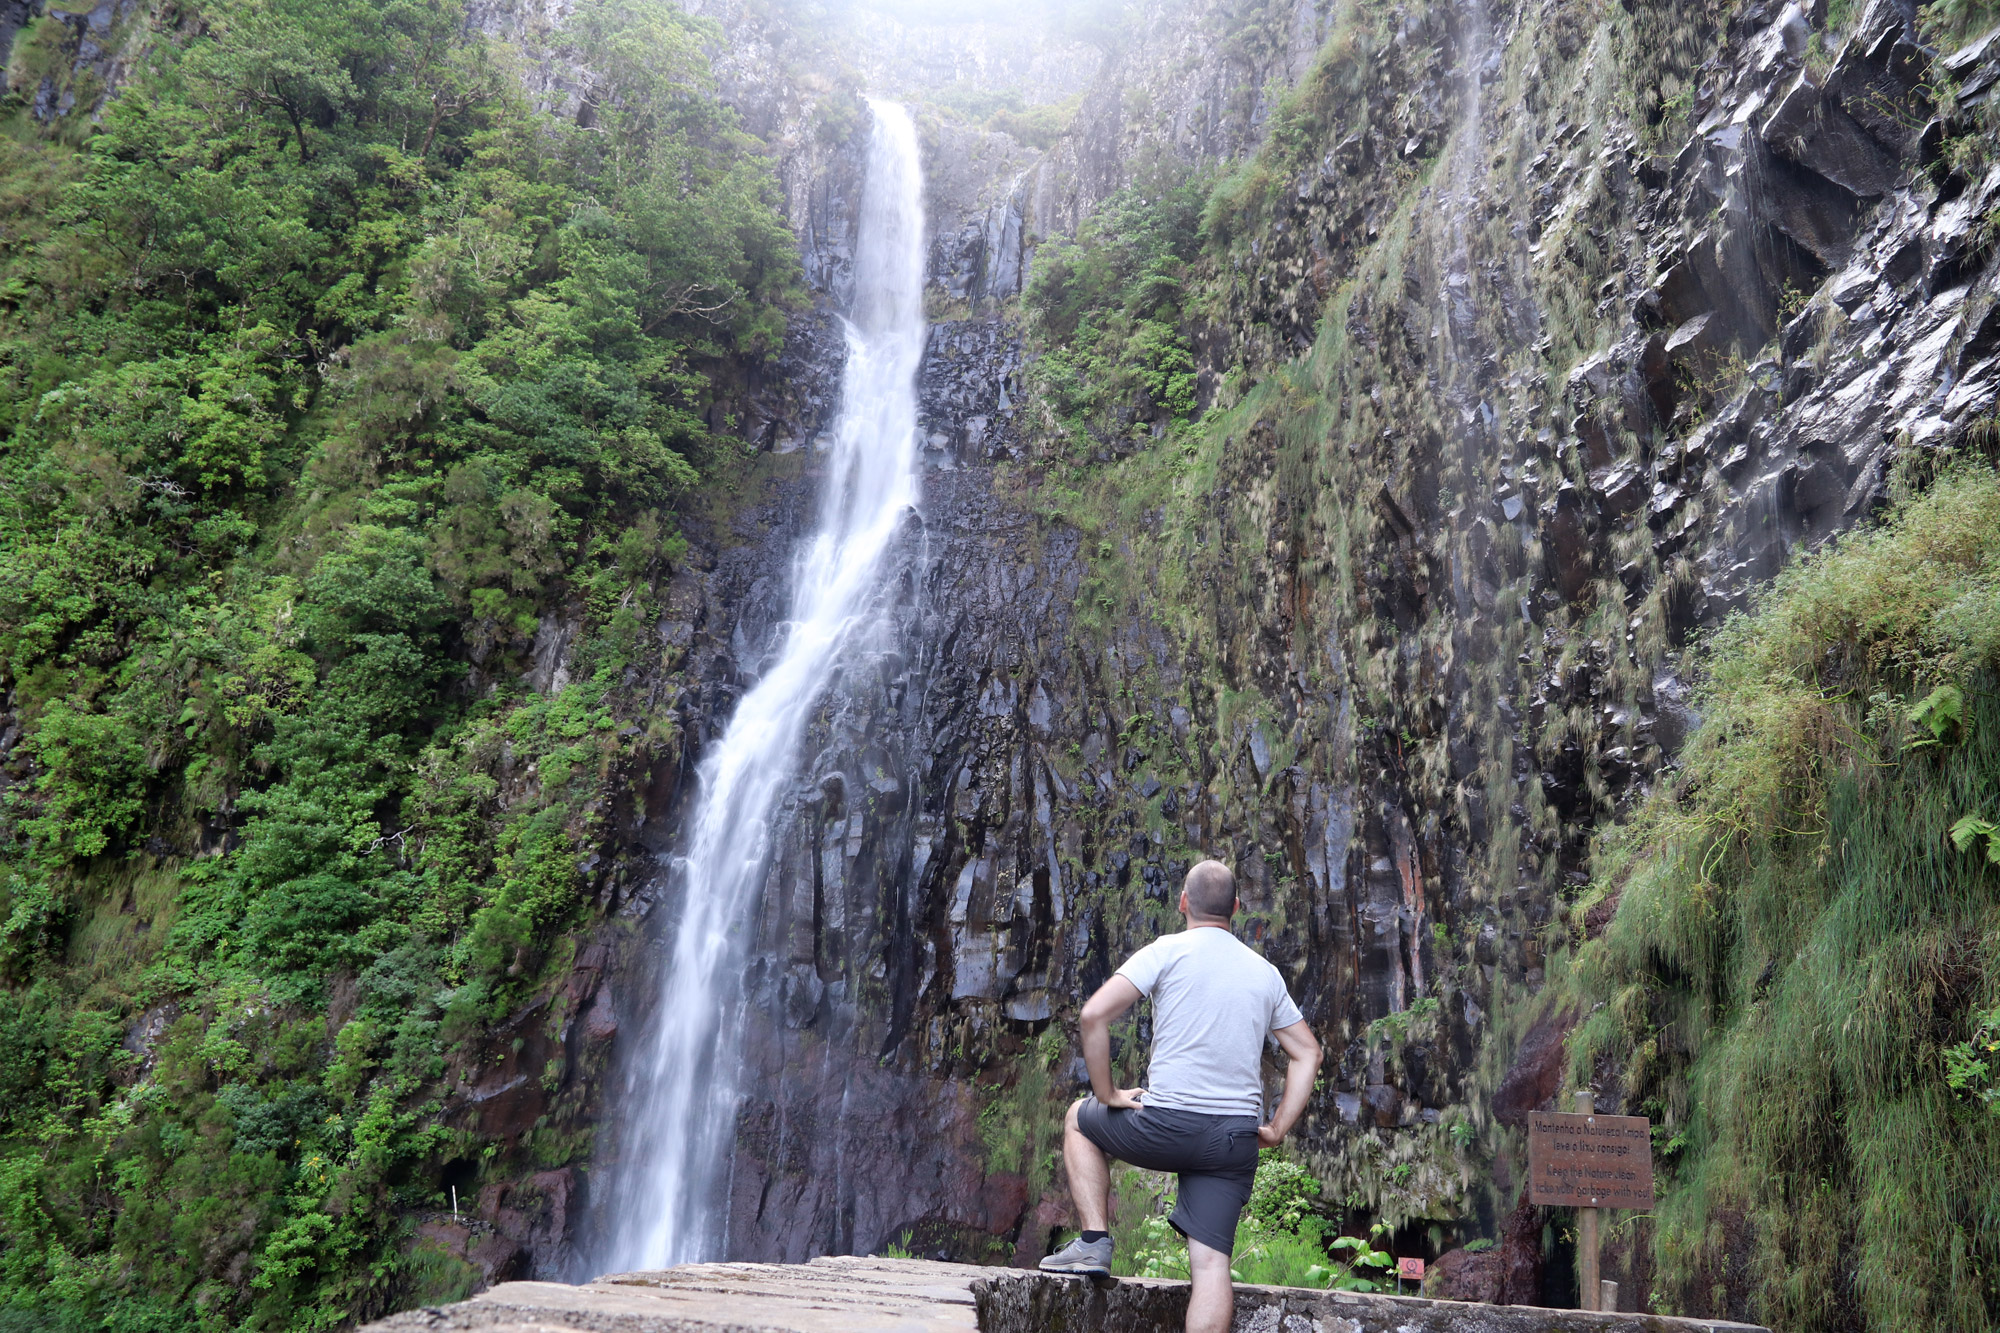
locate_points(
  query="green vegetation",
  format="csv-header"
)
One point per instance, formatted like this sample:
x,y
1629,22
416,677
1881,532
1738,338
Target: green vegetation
x,y
1969,134
1801,985
1005,111
1970,1067
1284,1238
332,369
1245,202
1662,54
1106,308
1021,1124
1956,22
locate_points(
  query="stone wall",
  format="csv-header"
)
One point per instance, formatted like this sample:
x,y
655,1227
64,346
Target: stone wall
x,y
1038,1304
915,1296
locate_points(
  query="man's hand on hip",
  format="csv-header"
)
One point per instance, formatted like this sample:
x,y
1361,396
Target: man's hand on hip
x,y
1269,1136
1100,1011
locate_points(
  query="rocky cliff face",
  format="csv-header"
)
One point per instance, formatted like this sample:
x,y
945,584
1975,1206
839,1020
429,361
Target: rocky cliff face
x,y
1533,337
64,60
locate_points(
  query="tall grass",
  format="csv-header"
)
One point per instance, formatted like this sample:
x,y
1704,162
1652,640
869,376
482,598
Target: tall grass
x,y
1798,941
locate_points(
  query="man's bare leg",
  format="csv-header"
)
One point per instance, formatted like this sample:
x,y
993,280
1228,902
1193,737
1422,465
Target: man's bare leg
x,y
1089,1176
1211,1298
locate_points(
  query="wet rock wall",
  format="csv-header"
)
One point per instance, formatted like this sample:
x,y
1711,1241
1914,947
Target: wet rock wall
x,y
64,60
915,938
1199,88
1536,335
1518,382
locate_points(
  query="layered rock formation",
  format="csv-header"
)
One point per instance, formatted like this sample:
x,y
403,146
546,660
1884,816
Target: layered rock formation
x,y
1533,338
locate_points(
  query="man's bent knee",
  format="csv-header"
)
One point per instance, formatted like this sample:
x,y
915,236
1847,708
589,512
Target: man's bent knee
x,y
1206,1260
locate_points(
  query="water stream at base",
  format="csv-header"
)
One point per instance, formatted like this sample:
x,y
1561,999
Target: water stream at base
x,y
680,1095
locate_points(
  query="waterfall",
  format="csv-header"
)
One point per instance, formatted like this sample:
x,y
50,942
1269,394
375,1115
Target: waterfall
x,y
680,1093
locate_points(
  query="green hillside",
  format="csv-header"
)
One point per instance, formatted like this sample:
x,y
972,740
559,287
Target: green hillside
x,y
330,364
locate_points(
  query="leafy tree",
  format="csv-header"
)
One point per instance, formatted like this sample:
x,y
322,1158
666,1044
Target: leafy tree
x,y
331,367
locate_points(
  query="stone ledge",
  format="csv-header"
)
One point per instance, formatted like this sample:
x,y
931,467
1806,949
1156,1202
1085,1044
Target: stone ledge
x,y
863,1295
846,1295
1032,1303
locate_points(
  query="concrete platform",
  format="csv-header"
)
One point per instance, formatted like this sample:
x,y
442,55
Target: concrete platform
x,y
824,1296
863,1295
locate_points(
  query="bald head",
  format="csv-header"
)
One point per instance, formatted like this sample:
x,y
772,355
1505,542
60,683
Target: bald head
x,y
1211,891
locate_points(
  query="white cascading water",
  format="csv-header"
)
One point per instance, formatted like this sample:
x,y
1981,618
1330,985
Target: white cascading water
x,y
680,1102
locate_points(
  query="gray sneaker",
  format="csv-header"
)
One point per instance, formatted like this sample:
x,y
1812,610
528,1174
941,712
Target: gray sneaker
x,y
1084,1258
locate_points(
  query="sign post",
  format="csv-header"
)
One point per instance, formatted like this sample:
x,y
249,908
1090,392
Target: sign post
x,y
1589,1162
1586,1225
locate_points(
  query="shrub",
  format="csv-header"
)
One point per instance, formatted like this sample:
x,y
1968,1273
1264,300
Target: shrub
x,y
1804,961
329,369
1282,1239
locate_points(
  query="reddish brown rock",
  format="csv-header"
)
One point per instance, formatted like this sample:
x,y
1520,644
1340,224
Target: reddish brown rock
x,y
1002,1200
515,1221
600,1023
1521,1255
1052,1214
1536,1075
1461,1275
1598,916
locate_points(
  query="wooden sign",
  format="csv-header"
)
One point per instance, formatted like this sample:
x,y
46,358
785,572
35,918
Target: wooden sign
x,y
1411,1268
1590,1161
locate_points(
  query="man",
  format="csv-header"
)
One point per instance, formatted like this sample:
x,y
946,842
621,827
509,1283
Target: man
x,y
1213,998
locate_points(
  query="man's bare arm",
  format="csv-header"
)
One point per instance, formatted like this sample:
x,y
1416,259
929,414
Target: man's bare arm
x,y
1100,1011
1302,1048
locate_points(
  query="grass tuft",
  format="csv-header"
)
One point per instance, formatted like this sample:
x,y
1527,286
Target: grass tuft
x,y
1800,943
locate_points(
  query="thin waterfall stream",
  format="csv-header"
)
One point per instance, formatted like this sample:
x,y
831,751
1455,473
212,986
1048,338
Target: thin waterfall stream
x,y
679,1104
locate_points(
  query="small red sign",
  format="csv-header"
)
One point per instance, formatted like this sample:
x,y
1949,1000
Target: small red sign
x,y
1412,1269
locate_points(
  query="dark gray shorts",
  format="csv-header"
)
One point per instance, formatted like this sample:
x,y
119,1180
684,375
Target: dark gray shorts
x,y
1214,1155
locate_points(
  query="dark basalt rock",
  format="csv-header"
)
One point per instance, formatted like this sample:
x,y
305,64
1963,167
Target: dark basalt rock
x,y
1536,1074
1405,767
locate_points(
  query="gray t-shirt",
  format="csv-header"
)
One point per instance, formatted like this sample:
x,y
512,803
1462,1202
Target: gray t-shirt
x,y
1214,999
